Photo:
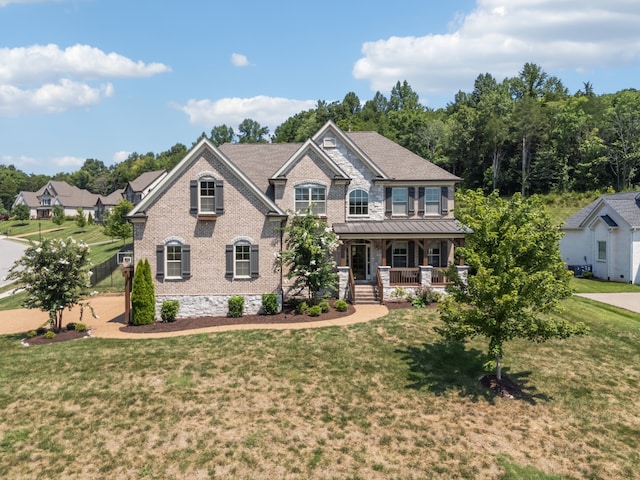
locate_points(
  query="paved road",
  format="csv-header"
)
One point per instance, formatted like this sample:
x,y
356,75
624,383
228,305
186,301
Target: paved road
x,y
10,251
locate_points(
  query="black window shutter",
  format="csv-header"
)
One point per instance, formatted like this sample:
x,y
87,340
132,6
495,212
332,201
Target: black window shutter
x,y
255,264
229,261
159,262
412,254
444,200
444,253
412,203
387,198
389,256
193,195
420,200
186,261
219,194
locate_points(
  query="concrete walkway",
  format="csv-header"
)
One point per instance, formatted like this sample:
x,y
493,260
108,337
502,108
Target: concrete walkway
x,y
110,309
627,300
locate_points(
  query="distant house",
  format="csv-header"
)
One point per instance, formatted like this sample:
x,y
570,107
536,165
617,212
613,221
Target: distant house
x,y
69,197
137,189
606,236
106,203
212,228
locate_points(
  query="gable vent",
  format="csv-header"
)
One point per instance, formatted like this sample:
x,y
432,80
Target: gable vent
x,y
329,142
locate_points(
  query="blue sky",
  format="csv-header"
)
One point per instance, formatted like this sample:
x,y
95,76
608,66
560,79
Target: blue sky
x,y
103,78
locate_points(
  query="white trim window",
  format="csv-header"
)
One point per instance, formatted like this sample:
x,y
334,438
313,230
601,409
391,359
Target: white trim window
x,y
432,200
400,201
173,260
602,251
399,255
313,197
242,263
433,256
207,197
359,202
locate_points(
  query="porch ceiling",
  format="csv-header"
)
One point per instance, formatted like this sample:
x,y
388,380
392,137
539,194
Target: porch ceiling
x,y
444,228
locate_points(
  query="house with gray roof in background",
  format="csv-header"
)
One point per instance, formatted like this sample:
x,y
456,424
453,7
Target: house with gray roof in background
x,y
55,192
138,188
606,236
212,227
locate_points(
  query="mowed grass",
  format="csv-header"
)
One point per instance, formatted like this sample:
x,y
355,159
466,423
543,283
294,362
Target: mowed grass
x,y
382,400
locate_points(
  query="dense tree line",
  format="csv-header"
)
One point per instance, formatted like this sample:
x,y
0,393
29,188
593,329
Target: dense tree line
x,y
522,134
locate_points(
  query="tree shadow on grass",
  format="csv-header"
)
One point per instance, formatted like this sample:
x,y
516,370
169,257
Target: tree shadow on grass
x,y
445,366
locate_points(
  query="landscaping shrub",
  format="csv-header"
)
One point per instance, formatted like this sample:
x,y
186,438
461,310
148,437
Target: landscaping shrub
x,y
341,305
49,335
424,296
324,306
315,311
31,333
588,275
169,310
270,303
71,326
41,331
143,299
81,327
236,306
302,308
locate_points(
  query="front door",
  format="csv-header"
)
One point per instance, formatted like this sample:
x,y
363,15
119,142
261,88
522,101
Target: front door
x,y
360,262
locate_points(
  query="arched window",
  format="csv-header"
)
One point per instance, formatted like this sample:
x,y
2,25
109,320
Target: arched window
x,y
358,202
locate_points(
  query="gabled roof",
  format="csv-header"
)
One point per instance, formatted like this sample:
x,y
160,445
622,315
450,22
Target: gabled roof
x,y
144,180
66,195
309,145
397,162
113,198
191,157
626,205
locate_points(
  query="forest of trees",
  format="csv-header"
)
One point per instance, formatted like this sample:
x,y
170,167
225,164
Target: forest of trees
x,y
524,134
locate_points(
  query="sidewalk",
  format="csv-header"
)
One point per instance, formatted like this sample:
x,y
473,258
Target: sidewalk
x,y
110,309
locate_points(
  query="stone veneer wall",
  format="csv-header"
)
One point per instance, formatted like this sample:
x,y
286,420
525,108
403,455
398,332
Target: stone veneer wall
x,y
211,305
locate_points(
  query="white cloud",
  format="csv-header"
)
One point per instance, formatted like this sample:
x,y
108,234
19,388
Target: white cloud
x,y
578,35
120,156
239,60
69,162
46,79
267,111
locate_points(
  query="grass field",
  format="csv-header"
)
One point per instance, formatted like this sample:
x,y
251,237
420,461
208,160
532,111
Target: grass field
x,y
382,400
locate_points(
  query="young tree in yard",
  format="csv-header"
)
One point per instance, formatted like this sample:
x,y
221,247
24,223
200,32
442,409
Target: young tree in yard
x,y
516,275
58,215
310,244
115,222
55,275
21,212
143,299
81,220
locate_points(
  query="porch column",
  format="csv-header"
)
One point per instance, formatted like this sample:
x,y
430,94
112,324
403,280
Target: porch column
x,y
426,275
385,280
463,271
384,253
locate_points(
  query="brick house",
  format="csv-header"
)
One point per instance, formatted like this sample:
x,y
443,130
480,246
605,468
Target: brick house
x,y
212,228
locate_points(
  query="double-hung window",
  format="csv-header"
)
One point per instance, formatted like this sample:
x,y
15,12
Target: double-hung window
x,y
207,196
358,202
173,261
602,251
400,201
433,256
399,254
432,200
313,197
242,260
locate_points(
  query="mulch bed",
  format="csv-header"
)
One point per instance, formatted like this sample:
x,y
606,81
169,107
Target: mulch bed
x,y
63,335
287,315
505,387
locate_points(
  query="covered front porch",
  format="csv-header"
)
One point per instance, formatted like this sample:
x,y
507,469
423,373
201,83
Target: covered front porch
x,y
393,255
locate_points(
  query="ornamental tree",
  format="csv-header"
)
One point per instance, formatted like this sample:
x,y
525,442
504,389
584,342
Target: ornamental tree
x,y
143,298
55,275
58,216
516,275
310,244
115,222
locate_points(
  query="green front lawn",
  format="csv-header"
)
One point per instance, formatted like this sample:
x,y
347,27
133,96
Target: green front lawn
x,y
385,399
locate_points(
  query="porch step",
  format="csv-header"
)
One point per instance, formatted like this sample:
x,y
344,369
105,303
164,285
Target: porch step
x,y
366,294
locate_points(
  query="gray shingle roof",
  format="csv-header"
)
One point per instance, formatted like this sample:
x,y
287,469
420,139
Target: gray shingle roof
x,y
145,179
396,161
626,204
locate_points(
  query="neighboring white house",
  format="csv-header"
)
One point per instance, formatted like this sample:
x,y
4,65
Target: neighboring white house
x,y
69,197
606,235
